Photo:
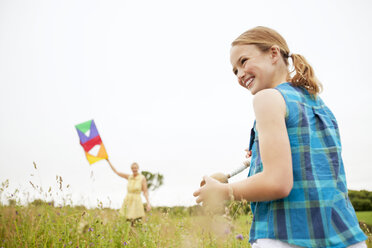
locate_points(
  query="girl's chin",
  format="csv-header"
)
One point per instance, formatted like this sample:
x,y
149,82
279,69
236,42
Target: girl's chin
x,y
255,91
252,89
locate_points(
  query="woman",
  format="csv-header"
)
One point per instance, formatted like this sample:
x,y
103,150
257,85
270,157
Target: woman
x,y
132,207
296,181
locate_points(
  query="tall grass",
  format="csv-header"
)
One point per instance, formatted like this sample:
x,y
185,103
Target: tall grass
x,y
44,225
39,223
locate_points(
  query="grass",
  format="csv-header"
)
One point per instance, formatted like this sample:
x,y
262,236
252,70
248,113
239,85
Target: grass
x,y
365,216
44,225
48,226
41,224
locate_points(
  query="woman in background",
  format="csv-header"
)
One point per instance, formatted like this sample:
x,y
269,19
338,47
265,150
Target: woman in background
x,y
132,207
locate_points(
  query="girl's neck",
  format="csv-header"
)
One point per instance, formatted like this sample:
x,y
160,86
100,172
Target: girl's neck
x,y
280,77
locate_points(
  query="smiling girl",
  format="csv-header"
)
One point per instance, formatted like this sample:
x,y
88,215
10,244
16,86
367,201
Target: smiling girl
x,y
296,182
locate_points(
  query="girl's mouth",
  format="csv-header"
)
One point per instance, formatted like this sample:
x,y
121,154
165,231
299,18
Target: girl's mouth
x,y
248,84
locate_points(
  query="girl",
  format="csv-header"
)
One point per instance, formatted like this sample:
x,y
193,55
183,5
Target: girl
x,y
296,181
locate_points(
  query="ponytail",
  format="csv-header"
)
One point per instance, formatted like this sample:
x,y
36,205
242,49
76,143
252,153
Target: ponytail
x,y
304,75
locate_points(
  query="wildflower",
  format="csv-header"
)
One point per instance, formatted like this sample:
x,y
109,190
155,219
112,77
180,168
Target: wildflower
x,y
16,212
70,242
90,229
239,237
125,243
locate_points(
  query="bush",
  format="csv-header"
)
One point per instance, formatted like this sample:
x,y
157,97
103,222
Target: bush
x,y
362,204
361,200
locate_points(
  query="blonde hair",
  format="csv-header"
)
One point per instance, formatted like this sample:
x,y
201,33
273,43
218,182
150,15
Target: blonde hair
x,y
134,164
264,38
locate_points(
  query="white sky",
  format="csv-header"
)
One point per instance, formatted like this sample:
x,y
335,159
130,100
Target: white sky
x,y
156,78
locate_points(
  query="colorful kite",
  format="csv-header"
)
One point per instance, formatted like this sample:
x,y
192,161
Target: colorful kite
x,y
91,141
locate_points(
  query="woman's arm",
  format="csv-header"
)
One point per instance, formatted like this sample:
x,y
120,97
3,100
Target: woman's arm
x,y
146,194
276,179
120,174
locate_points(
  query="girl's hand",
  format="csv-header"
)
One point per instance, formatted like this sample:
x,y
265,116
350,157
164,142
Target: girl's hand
x,y
249,153
222,178
148,207
213,193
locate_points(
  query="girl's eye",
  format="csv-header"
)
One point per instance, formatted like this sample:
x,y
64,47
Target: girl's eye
x,y
243,61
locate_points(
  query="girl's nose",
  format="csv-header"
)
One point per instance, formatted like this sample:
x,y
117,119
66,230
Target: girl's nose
x,y
240,74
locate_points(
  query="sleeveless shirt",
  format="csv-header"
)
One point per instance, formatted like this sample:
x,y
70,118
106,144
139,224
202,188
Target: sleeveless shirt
x,y
317,212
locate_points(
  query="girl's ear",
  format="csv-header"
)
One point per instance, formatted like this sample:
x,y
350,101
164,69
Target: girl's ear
x,y
275,53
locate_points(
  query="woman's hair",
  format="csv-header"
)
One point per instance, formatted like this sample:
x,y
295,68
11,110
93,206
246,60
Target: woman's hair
x,y
264,38
134,164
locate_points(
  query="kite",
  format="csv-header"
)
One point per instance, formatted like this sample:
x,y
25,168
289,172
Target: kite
x,y
91,141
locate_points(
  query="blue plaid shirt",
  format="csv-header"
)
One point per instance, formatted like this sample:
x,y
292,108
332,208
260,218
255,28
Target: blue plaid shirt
x,y
317,212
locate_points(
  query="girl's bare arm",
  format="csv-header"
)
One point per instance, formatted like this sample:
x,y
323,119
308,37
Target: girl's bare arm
x,y
276,179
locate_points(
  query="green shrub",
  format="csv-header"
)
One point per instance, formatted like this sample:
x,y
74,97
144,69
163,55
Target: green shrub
x,y
361,200
362,204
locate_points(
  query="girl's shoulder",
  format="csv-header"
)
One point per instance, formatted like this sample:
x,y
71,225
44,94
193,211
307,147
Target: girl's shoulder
x,y
267,102
266,95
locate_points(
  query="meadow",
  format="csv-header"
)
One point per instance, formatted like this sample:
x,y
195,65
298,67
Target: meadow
x,y
41,223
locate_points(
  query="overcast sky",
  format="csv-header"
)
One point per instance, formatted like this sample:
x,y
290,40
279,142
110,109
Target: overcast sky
x,y
156,78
